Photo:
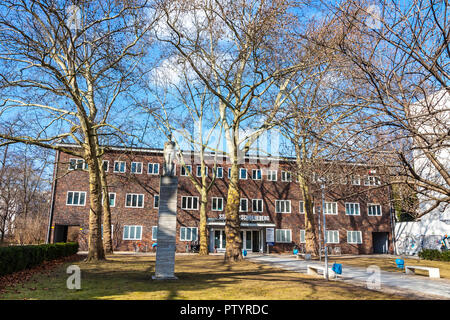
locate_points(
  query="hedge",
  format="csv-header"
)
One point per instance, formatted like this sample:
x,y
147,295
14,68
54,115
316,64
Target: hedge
x,y
17,258
434,254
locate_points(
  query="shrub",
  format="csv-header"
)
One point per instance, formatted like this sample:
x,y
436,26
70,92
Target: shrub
x,y
434,254
16,258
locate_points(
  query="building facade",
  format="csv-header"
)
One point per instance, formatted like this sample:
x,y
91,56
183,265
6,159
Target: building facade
x,y
357,206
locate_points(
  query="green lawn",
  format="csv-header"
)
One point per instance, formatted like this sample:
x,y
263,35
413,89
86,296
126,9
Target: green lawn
x,y
129,277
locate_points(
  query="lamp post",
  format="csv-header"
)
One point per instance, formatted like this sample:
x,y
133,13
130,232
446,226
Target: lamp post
x,y
322,186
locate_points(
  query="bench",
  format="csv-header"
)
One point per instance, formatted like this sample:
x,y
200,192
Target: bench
x,y
313,270
432,272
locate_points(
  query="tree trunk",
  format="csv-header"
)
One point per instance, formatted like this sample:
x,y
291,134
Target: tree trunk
x,y
232,222
203,229
96,251
310,223
107,240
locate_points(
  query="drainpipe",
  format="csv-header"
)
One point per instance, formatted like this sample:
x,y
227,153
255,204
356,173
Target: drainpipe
x,y
52,203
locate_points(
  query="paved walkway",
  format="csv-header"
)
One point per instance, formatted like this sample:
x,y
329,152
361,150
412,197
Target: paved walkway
x,y
418,286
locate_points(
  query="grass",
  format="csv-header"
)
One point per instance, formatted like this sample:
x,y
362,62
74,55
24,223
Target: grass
x,y
200,277
388,264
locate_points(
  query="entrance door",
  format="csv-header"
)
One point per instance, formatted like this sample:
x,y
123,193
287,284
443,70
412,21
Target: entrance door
x,y
255,242
246,236
219,239
60,234
380,242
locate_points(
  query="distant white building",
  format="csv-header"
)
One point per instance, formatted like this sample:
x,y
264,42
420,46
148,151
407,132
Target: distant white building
x,y
433,122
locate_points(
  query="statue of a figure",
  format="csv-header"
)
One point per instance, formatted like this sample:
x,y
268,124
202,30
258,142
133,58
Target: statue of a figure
x,y
169,157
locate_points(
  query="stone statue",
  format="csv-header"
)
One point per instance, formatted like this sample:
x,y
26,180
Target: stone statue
x,y
169,158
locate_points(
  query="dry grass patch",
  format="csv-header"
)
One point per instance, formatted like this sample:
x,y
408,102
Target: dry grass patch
x,y
129,277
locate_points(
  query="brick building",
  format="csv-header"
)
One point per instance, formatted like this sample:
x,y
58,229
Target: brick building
x,y
357,206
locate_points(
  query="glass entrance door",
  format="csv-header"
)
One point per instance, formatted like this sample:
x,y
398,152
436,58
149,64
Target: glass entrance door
x,y
247,240
219,239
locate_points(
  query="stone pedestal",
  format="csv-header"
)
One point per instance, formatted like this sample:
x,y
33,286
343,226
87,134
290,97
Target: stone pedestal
x,y
167,228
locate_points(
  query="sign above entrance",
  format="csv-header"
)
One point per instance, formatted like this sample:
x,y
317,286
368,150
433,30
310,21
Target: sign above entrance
x,y
270,233
248,218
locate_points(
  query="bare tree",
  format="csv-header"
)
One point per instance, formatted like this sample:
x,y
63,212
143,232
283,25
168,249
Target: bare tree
x,y
238,50
64,69
401,58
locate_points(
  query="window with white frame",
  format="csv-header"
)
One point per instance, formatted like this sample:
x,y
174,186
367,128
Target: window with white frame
x,y
155,233
153,168
76,198
373,209
105,164
272,175
301,206
219,172
136,167
354,237
112,199
283,235
132,232
188,234
283,206
134,200
343,179
256,174
77,164
199,171
257,205
372,181
356,180
332,236
189,203
229,173
243,205
302,236
185,170
330,208
242,173
352,209
217,204
120,166
286,176
156,201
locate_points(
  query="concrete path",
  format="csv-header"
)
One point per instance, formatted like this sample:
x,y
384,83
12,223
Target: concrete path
x,y
400,283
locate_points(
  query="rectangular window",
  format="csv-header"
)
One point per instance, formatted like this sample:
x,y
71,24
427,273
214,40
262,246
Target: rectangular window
x,y
283,235
243,207
132,232
229,173
243,174
136,167
286,176
188,234
112,199
356,180
257,205
283,206
184,171
343,179
76,198
256,174
120,166
301,206
330,208
302,236
352,209
153,168
373,209
219,172
105,165
156,201
134,200
189,203
332,236
272,175
199,171
77,164
155,233
372,181
217,204
354,237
